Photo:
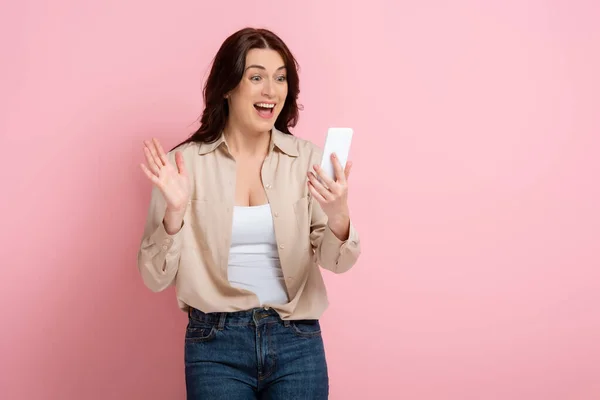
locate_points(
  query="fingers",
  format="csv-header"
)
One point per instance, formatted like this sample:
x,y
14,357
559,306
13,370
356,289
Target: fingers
x,y
326,189
149,174
315,193
152,146
157,158
337,168
324,193
161,153
152,165
330,183
158,163
347,169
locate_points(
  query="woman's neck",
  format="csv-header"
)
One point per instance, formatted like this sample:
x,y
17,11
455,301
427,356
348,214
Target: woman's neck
x,y
246,143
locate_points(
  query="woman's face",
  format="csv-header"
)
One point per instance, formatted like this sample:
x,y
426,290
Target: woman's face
x,y
257,101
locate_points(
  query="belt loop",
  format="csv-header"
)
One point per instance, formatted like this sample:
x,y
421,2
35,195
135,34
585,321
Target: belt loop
x,y
286,323
222,321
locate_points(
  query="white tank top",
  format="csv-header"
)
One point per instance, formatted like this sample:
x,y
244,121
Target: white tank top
x,y
253,258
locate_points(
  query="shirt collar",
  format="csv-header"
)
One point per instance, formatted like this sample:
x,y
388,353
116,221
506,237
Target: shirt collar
x,y
282,141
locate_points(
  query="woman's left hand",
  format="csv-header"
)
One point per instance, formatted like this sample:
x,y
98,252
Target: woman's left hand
x,y
332,195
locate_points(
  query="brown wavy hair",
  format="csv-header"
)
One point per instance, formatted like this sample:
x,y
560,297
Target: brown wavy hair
x,y
226,73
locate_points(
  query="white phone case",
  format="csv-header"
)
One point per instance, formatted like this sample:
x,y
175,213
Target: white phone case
x,y
338,141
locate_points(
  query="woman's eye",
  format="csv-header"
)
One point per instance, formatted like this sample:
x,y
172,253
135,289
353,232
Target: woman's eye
x,y
255,78
281,78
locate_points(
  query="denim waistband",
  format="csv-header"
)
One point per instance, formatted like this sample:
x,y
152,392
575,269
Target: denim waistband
x,y
255,316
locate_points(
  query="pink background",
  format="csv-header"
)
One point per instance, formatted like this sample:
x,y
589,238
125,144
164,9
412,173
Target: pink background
x,y
475,188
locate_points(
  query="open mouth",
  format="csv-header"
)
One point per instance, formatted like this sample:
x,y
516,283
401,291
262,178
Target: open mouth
x,y
265,110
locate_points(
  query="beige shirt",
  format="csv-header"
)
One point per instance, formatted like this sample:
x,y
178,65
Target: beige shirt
x,y
195,259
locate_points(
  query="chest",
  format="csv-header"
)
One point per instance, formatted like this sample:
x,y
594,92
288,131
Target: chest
x,y
249,188
220,184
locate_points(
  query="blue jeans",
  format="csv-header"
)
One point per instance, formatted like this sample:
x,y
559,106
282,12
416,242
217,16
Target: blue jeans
x,y
254,355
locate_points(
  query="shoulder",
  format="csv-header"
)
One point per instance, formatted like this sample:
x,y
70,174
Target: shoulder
x,y
306,149
307,146
188,150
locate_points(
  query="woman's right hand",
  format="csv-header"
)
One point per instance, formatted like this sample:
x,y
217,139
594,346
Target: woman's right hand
x,y
173,182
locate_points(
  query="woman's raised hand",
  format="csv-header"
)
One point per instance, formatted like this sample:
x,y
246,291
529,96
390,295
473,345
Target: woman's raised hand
x,y
173,182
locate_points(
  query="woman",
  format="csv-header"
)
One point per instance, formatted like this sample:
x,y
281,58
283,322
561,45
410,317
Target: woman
x,y
239,223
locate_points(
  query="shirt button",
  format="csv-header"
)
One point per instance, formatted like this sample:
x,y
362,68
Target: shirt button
x,y
276,214
268,186
165,247
281,246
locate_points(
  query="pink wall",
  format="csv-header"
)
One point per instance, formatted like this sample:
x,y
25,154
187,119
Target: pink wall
x,y
480,274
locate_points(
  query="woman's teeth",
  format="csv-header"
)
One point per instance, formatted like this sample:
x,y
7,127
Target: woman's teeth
x,y
265,110
265,105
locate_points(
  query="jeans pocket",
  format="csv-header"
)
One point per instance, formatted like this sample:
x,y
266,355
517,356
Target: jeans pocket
x,y
306,328
198,332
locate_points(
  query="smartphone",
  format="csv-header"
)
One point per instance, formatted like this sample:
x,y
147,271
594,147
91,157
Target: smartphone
x,y
338,141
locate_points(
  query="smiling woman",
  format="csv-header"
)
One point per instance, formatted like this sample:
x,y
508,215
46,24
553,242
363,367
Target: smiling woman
x,y
263,87
240,224
250,58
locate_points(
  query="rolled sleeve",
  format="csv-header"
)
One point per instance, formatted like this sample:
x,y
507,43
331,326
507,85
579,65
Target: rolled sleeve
x,y
332,253
341,254
159,252
169,244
